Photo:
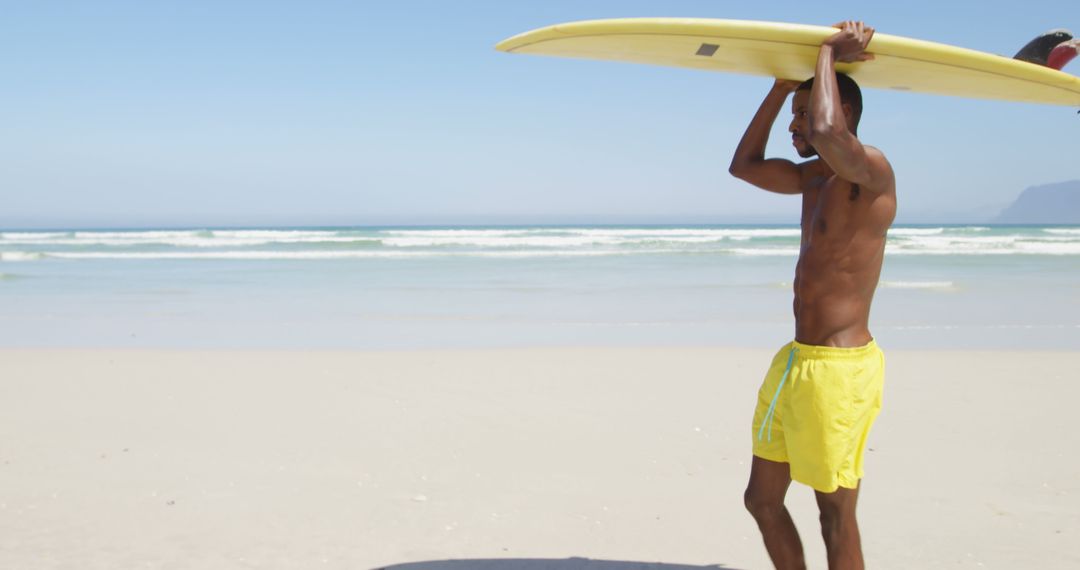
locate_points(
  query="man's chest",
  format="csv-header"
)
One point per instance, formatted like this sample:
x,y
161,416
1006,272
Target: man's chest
x,y
829,204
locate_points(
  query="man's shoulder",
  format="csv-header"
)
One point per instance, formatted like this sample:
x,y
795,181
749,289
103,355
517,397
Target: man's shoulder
x,y
875,153
877,158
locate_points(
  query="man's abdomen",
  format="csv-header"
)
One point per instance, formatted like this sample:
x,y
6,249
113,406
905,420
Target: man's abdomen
x,y
833,300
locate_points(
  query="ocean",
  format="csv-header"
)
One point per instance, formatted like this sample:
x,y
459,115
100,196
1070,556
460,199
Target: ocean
x,y
942,286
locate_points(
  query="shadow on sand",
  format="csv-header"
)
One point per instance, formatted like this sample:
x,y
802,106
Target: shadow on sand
x,y
545,564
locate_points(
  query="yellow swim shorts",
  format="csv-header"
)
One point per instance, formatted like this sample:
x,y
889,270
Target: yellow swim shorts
x,y
815,409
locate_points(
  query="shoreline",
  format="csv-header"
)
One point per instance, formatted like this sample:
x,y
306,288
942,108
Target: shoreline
x,y
498,349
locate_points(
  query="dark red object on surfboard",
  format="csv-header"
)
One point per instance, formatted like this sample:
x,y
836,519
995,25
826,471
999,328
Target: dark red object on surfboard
x,y
1063,54
1053,49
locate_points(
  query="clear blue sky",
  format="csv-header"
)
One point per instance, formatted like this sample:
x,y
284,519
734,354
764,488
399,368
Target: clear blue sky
x,y
336,113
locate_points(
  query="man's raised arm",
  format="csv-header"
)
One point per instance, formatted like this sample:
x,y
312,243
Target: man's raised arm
x,y
749,162
830,134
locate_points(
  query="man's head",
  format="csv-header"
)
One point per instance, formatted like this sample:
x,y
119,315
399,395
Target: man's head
x,y
851,103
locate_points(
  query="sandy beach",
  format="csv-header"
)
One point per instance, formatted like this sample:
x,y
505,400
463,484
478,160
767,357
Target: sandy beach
x,y
595,458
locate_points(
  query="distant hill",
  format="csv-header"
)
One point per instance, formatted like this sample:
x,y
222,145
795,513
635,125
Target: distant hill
x,y
1047,204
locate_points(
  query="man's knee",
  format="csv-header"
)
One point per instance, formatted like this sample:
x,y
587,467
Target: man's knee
x,y
836,510
761,503
769,481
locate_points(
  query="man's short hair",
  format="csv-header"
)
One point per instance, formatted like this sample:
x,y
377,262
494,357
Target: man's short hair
x,y
849,93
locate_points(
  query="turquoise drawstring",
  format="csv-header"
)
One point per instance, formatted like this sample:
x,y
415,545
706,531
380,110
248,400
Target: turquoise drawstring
x,y
772,407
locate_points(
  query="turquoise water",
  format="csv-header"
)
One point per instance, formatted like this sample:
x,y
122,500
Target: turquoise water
x,y
375,288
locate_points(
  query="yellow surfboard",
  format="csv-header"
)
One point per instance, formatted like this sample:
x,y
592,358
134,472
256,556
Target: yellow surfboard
x,y
789,51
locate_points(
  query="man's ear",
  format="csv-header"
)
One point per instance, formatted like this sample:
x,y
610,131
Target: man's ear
x,y
846,108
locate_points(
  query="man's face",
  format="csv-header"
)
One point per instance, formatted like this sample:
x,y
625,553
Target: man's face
x,y
800,123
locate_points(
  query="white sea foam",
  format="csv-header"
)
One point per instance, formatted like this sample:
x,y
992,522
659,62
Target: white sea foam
x,y
572,237
492,241
137,236
197,239
918,285
1050,248
514,242
31,236
916,231
564,253
237,255
716,233
979,241
764,252
469,233
990,245
274,234
19,256
546,241
344,254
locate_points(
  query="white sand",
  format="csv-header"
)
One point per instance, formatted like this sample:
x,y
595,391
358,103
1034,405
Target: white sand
x,y
132,459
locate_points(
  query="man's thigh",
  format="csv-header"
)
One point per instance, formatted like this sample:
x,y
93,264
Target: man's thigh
x,y
840,502
769,482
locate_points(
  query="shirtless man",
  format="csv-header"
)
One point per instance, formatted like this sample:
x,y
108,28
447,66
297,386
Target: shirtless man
x,y
823,391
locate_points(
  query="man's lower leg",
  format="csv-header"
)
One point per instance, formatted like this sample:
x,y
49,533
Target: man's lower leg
x,y
840,529
778,531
